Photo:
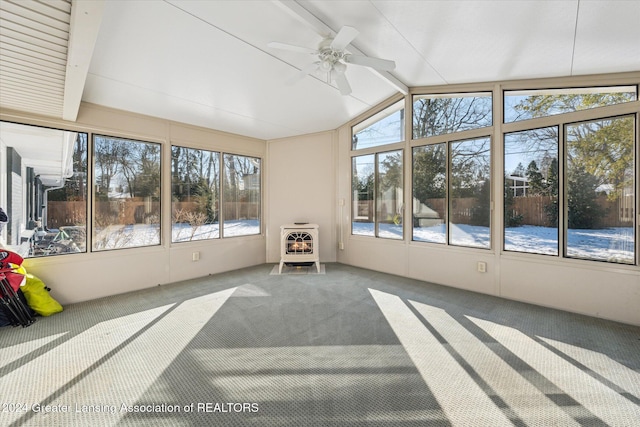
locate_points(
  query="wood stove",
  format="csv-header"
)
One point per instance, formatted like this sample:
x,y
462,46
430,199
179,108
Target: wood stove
x,y
299,244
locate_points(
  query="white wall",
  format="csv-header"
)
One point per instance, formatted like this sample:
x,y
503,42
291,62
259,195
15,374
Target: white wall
x,y
301,186
81,277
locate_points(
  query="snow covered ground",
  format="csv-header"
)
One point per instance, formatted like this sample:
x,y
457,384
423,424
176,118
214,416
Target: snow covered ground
x,y
130,236
615,244
181,232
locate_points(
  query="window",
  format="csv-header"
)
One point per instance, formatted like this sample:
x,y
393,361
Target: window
x,y
452,180
127,193
377,182
386,127
530,104
570,188
389,194
443,114
377,188
429,193
470,193
43,177
45,192
363,186
453,204
241,196
600,195
195,191
531,191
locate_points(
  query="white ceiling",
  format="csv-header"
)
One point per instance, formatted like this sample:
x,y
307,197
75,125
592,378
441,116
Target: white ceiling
x,y
207,63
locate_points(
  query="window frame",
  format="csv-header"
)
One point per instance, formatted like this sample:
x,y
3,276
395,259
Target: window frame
x,y
567,90
564,197
479,93
376,190
449,190
93,192
222,195
387,110
459,136
219,181
560,120
555,255
397,103
448,199
445,219
31,201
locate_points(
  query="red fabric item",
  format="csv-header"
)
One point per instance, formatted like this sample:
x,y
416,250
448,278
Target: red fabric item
x,y
7,257
6,272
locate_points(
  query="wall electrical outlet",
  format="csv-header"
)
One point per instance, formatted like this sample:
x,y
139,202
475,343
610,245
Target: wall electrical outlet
x,y
482,267
195,256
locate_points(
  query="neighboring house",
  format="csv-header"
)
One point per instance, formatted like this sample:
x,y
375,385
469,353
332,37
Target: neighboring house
x,y
37,161
517,184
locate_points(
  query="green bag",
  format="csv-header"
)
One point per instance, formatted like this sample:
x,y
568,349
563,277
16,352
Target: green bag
x,y
38,297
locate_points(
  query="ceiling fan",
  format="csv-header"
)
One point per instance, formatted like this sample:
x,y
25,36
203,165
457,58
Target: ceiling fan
x,y
333,59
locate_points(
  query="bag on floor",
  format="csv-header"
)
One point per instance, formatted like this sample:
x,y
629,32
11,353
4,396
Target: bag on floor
x,y
38,297
4,317
7,318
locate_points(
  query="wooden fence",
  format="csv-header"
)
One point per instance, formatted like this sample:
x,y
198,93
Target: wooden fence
x,y
532,209
134,211
617,213
66,213
232,211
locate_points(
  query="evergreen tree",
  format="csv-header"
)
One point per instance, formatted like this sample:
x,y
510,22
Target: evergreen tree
x,y
511,217
536,181
551,189
584,210
481,213
429,172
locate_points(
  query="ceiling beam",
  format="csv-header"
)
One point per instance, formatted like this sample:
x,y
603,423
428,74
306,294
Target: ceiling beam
x,y
298,12
86,17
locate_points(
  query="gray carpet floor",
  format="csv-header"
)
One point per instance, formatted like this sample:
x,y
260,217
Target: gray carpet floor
x,y
349,347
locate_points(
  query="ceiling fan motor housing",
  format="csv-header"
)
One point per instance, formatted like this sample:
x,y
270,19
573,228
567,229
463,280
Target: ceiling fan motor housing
x,y
333,60
330,58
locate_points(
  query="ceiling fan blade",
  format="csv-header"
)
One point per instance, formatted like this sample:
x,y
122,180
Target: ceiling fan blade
x,y
308,69
344,37
285,46
377,63
342,83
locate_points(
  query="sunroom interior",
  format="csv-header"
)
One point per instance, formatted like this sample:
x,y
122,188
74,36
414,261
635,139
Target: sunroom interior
x,y
420,171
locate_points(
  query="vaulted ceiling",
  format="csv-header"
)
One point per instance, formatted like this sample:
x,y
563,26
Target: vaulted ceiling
x,y
209,63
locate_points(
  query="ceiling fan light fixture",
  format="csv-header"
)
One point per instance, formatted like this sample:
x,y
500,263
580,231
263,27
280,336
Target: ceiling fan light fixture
x,y
340,67
326,65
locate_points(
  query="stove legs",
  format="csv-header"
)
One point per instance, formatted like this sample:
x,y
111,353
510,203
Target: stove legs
x,y
282,264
